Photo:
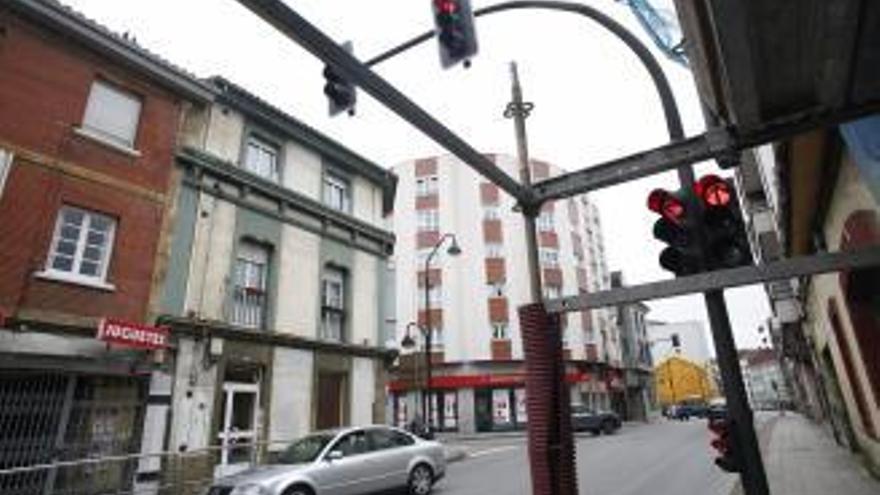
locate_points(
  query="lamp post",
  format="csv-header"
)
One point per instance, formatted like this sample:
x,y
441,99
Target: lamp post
x,y
427,329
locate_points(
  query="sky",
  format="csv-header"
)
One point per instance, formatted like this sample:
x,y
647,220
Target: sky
x,y
593,100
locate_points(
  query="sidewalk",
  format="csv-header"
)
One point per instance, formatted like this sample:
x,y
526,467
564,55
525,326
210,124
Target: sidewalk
x,y
801,459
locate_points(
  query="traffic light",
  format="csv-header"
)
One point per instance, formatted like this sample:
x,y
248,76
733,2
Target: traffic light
x,y
340,92
729,453
726,244
676,228
676,341
457,37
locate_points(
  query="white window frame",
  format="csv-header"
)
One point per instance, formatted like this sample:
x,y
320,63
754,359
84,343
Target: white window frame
x,y
333,276
491,212
494,250
98,280
500,330
255,143
254,258
435,296
6,158
545,221
497,289
92,125
426,186
427,220
549,257
552,292
337,193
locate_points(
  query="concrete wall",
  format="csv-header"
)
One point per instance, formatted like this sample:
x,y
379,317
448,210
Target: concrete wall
x,y
193,400
363,394
298,282
212,249
291,399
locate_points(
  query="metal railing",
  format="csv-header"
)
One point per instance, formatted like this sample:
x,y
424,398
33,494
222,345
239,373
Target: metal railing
x,y
248,307
179,473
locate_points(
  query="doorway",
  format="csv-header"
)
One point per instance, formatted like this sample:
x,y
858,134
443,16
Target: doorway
x,y
330,401
239,420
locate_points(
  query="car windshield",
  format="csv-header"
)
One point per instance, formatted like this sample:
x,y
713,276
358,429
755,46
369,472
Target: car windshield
x,y
305,449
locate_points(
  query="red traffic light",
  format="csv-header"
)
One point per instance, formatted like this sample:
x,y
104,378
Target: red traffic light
x,y
714,191
446,6
667,205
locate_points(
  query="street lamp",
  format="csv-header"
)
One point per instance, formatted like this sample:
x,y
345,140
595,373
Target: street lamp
x,y
427,330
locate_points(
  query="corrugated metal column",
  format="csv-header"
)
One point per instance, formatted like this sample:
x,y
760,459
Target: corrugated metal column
x,y
551,445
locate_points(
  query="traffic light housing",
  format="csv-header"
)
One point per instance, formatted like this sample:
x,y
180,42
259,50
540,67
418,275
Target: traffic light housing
x,y
725,443
676,340
340,93
675,227
726,244
457,37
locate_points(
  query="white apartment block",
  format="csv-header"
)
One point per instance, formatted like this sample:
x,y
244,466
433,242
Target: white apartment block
x,y
477,348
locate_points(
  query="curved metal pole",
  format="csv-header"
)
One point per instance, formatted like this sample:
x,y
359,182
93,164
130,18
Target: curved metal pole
x,y
664,91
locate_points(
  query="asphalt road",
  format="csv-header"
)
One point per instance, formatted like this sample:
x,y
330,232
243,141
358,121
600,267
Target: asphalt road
x,y
667,458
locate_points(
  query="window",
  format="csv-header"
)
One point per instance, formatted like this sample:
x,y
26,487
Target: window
x,y
333,304
381,439
491,212
545,221
494,250
249,296
5,166
426,186
549,257
552,292
435,295
81,245
261,158
496,290
428,220
436,338
336,193
112,114
422,256
500,330
352,444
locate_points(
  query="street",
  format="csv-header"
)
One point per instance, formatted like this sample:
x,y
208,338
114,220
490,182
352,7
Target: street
x,y
665,458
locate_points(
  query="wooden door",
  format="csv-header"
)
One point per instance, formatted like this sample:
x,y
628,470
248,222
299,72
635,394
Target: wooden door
x,y
329,413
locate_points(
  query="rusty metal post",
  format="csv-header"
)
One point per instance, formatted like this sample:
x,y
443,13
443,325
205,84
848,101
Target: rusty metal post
x,y
551,443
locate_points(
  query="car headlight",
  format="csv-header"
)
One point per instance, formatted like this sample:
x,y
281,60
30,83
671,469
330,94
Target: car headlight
x,y
250,489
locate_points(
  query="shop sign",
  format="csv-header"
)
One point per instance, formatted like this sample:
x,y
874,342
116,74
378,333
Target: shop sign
x,y
133,335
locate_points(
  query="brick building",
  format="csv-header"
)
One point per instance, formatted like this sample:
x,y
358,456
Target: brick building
x,y
87,140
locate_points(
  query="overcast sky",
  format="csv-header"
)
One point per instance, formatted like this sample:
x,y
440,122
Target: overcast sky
x,y
593,100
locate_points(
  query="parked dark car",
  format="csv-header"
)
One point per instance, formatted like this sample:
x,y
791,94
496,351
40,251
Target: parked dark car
x,y
684,412
596,422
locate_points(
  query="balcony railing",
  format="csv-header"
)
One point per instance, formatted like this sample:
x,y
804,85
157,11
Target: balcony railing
x,y
248,307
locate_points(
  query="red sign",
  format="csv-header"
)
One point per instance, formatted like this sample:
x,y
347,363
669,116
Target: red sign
x,y
132,334
482,381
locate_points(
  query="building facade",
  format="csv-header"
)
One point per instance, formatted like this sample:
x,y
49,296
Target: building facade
x,y
765,384
277,286
478,380
682,381
692,337
825,187
635,350
88,132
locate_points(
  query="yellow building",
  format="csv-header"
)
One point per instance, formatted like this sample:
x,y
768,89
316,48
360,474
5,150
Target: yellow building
x,y
680,380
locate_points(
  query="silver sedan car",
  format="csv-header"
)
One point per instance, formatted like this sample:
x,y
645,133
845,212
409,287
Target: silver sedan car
x,y
349,461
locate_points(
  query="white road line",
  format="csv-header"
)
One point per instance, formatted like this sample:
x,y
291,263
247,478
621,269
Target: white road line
x,y
496,450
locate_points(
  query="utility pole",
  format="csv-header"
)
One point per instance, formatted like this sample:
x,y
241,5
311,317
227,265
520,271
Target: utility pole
x,y
519,111
551,445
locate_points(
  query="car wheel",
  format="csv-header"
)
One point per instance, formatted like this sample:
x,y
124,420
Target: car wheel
x,y
299,490
421,480
596,432
608,427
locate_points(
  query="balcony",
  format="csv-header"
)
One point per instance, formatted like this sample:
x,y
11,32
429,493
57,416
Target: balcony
x,y
248,307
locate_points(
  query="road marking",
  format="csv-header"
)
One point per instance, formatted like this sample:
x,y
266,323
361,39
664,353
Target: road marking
x,y
496,450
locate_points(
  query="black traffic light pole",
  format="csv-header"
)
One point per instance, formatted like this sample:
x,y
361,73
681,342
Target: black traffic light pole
x,y
299,30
